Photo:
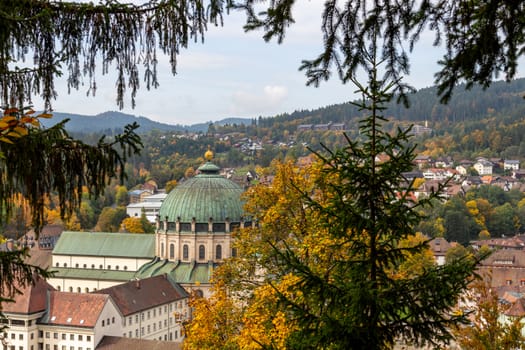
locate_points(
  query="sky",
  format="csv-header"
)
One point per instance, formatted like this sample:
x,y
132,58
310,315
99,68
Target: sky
x,y
237,74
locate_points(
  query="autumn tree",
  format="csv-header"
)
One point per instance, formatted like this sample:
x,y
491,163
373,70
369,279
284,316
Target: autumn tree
x,y
336,245
216,321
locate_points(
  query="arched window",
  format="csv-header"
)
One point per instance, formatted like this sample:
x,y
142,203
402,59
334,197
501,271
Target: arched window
x,y
202,252
185,252
172,251
79,290
162,249
218,252
71,289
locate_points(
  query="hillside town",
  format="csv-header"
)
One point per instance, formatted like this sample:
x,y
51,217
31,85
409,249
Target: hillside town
x,y
122,290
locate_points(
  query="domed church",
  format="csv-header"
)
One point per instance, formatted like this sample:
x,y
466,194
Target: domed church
x,y
194,227
193,236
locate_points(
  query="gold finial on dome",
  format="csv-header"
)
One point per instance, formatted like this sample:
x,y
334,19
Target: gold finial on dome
x,y
209,154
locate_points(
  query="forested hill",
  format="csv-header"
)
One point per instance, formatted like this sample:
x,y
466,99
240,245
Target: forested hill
x,y
501,98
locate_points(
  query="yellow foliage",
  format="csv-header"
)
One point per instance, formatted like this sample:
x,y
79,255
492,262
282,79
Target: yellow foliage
x,y
264,325
132,225
216,321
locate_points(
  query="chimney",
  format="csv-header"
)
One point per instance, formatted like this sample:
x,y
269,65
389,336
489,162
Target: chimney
x,y
137,283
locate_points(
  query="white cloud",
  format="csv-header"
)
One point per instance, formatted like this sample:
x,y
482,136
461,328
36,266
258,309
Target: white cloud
x,y
269,99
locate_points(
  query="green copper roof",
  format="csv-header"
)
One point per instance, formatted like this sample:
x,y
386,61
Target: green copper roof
x,y
180,272
106,244
92,274
207,195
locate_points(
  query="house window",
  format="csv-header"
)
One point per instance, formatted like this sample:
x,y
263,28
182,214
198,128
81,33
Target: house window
x,y
80,337
65,264
21,337
71,337
47,335
116,267
172,251
109,267
63,336
202,252
85,265
88,338
57,264
103,323
55,335
185,252
218,252
113,320
86,290
509,282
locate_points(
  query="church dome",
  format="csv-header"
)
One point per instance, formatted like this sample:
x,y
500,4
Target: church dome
x,y
208,195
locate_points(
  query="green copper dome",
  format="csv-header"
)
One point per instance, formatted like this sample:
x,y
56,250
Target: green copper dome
x,y
207,195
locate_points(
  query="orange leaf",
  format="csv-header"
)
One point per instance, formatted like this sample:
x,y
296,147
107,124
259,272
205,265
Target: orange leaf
x,y
45,115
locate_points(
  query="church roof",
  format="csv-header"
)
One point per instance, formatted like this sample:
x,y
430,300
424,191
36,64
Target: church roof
x,y
106,244
93,274
181,272
206,195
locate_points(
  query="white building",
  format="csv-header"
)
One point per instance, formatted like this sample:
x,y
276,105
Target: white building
x,y
150,206
511,164
45,319
483,167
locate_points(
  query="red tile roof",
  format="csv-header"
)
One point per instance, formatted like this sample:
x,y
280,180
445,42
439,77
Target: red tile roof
x,y
138,295
33,298
75,309
118,343
517,309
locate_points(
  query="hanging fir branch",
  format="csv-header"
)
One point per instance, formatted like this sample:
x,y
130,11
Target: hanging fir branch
x,y
49,161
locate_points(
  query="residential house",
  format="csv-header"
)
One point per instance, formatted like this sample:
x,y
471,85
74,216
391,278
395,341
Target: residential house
x,y
507,268
483,167
439,247
511,164
423,161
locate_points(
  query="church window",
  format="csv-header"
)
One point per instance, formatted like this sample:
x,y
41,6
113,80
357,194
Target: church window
x,y
71,289
202,252
79,290
57,264
185,252
76,266
218,252
65,264
172,251
162,249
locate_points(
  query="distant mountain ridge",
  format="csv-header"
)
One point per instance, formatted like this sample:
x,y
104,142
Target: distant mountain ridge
x,y
113,122
501,98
